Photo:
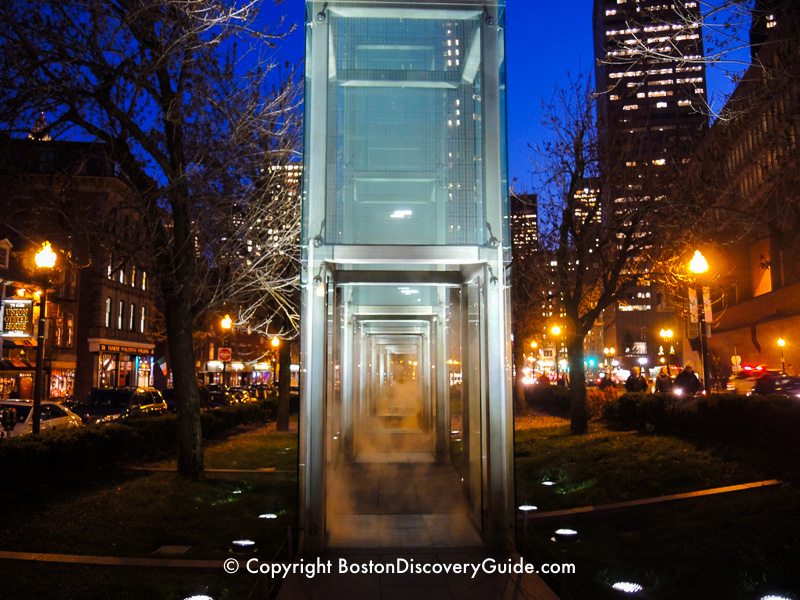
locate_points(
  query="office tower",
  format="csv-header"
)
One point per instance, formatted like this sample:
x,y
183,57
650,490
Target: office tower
x,y
651,81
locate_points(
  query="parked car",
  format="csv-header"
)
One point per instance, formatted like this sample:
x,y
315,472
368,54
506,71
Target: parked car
x,y
241,394
788,386
105,405
169,397
744,380
53,416
221,399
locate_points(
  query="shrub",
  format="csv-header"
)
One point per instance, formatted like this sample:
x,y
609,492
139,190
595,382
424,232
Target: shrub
x,y
29,459
552,399
726,417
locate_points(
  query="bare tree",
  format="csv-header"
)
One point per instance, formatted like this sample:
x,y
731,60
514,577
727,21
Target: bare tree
x,y
170,87
598,247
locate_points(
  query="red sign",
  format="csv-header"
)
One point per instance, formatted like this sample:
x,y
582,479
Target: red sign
x,y
224,354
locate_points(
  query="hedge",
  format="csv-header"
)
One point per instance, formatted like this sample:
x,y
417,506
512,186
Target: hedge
x,y
726,417
60,454
556,400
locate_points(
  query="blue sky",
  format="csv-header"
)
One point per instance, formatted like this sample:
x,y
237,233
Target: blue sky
x,y
546,40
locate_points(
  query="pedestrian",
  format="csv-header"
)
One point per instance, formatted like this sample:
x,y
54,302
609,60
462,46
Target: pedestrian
x,y
663,382
544,379
687,382
636,382
764,385
606,383
790,370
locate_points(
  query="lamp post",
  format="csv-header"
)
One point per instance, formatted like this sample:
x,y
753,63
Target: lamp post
x,y
45,260
782,343
226,323
275,342
609,352
666,335
556,331
698,265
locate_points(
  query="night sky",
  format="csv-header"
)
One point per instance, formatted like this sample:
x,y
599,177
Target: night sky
x,y
546,40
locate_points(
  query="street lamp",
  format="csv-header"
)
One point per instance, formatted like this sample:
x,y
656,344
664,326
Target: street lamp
x,y
666,335
699,265
556,331
276,342
609,352
782,343
45,260
226,323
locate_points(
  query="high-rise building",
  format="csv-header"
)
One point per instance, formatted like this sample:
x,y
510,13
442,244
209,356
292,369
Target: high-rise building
x,y
651,80
524,225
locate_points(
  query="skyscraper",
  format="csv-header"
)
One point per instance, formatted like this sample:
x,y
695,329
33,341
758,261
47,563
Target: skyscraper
x,y
651,81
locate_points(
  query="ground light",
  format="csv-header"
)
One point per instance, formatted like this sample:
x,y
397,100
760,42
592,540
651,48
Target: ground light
x,y
771,597
548,483
268,516
243,546
527,507
627,587
199,598
566,535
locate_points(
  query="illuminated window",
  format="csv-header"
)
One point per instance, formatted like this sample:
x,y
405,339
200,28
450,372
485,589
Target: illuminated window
x,y
132,317
108,312
144,280
631,107
120,314
143,320
661,105
70,329
133,276
660,162
684,102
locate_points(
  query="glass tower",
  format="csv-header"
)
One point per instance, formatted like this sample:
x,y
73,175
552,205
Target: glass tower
x,y
404,249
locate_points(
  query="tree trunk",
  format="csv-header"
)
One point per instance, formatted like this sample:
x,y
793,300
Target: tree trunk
x,y
579,417
178,323
284,385
519,365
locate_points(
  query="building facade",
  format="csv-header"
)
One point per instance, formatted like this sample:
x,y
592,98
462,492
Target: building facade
x,y
751,160
101,308
651,81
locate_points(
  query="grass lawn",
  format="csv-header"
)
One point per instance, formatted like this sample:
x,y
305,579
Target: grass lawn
x,y
742,545
133,513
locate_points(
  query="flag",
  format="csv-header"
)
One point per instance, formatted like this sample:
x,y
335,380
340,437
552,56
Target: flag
x,y
162,363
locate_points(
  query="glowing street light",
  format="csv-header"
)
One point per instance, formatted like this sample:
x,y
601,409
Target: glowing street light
x,y
556,331
698,264
226,322
782,343
45,260
275,342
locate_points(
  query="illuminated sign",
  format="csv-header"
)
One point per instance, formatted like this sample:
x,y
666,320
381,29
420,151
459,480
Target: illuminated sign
x,y
125,349
18,318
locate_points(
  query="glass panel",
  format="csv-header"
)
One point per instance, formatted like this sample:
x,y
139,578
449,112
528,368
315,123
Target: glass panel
x,y
404,132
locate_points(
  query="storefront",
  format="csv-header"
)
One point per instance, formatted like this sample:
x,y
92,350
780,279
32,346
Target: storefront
x,y
121,365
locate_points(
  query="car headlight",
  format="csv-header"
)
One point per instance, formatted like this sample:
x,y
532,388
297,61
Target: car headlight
x,y
678,391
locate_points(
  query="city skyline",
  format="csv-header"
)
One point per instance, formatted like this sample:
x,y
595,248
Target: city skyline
x,y
532,29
